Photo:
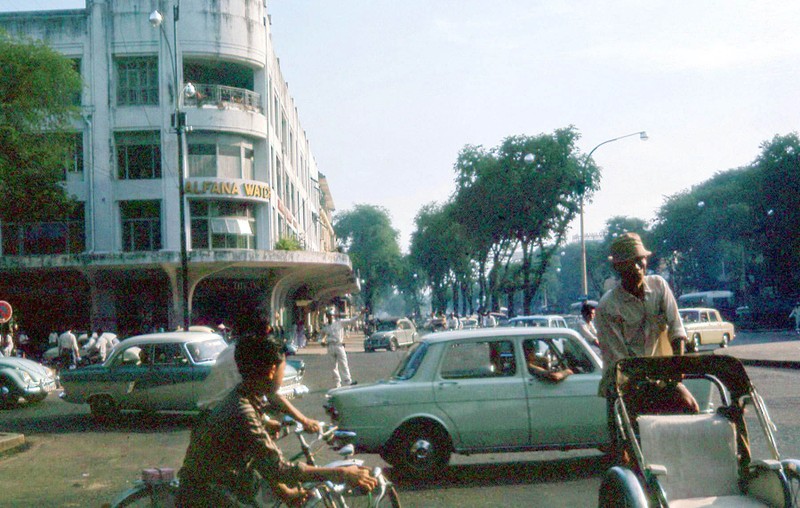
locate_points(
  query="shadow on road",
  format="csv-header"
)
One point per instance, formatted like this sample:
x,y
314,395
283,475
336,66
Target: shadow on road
x,y
144,423
506,473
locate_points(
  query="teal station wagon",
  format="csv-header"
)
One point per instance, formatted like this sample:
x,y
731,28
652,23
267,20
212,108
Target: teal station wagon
x,y
471,392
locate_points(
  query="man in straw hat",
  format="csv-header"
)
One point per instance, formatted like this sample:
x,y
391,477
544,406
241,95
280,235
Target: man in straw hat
x,y
639,317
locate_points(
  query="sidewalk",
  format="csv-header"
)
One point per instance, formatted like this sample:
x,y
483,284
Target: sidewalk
x,y
783,355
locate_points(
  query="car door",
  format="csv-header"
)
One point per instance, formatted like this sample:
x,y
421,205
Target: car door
x,y
169,383
127,371
480,389
568,411
713,332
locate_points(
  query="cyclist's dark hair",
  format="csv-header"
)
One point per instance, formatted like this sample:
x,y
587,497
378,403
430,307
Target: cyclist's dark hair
x,y
255,354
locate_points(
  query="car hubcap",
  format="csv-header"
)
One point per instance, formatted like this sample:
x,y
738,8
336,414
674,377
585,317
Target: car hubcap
x,y
421,449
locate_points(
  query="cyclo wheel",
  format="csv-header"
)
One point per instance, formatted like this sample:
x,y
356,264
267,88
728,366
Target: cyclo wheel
x,y
153,496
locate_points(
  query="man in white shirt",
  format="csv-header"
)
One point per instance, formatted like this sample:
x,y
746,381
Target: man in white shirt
x,y
68,348
333,333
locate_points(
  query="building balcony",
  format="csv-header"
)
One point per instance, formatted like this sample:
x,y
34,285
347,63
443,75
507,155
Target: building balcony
x,y
224,97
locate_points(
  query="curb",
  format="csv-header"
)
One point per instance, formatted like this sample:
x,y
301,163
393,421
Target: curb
x,y
9,441
774,364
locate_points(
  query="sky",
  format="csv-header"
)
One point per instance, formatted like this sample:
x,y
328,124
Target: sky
x,y
389,91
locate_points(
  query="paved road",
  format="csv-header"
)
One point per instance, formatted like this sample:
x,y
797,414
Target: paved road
x,y
72,461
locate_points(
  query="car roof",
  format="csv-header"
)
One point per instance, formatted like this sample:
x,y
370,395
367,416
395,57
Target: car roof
x,y
497,333
167,337
536,316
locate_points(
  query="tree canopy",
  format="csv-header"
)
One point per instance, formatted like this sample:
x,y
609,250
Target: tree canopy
x,y
38,103
368,237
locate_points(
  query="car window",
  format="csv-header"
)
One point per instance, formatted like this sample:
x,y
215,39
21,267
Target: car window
x,y
206,350
168,354
714,317
386,326
557,353
411,362
704,317
464,360
129,356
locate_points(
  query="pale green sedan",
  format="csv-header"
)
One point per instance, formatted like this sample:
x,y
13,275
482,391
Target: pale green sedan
x,y
472,392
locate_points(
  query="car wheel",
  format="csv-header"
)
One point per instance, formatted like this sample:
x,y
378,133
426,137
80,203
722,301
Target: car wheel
x,y
103,407
393,345
725,340
420,450
35,399
696,343
9,396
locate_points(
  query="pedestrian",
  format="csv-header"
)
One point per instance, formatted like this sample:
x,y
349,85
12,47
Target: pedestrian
x,y
796,315
333,334
586,324
6,344
639,317
453,323
300,334
25,346
68,349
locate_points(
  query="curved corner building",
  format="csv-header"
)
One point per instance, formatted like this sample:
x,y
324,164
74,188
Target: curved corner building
x,y
249,178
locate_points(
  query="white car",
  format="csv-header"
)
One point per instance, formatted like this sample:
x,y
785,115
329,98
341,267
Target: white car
x,y
390,334
539,320
705,326
470,391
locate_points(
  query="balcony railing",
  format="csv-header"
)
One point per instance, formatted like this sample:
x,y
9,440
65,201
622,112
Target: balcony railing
x,y
223,97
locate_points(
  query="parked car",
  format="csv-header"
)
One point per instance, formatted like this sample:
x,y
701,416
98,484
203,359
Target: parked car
x,y
26,379
705,326
469,323
155,372
539,320
390,334
470,391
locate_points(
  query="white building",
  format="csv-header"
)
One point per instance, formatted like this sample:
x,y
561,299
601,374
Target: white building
x,y
250,177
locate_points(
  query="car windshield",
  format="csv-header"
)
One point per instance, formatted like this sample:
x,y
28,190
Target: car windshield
x,y
533,322
386,326
408,367
207,350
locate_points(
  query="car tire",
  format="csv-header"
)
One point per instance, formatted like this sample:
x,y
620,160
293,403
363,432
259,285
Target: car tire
x,y
9,397
392,345
35,399
725,340
103,407
696,343
420,450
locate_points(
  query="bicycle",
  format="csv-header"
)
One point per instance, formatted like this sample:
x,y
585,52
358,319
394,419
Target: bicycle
x,y
158,487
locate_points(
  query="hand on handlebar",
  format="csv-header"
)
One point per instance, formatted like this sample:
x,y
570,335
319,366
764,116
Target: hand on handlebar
x,y
359,476
311,426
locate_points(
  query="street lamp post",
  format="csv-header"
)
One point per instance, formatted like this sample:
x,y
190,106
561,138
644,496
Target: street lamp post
x,y
179,124
584,276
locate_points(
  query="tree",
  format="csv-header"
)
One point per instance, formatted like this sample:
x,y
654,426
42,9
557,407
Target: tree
x,y
368,237
38,90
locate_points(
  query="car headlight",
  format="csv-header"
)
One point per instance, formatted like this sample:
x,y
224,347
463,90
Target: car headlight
x,y
26,377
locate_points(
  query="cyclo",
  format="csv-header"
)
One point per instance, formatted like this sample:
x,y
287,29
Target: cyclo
x,y
693,460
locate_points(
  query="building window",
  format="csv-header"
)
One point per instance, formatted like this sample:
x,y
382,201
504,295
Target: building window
x,y
138,155
220,156
43,238
138,81
73,166
141,225
222,225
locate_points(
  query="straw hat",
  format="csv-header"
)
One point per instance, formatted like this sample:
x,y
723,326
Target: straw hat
x,y
627,246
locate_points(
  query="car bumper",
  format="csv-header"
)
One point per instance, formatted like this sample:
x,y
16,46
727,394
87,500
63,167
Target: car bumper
x,y
294,391
44,386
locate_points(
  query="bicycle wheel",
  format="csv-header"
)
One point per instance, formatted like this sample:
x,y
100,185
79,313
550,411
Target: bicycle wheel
x,y
152,496
390,499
